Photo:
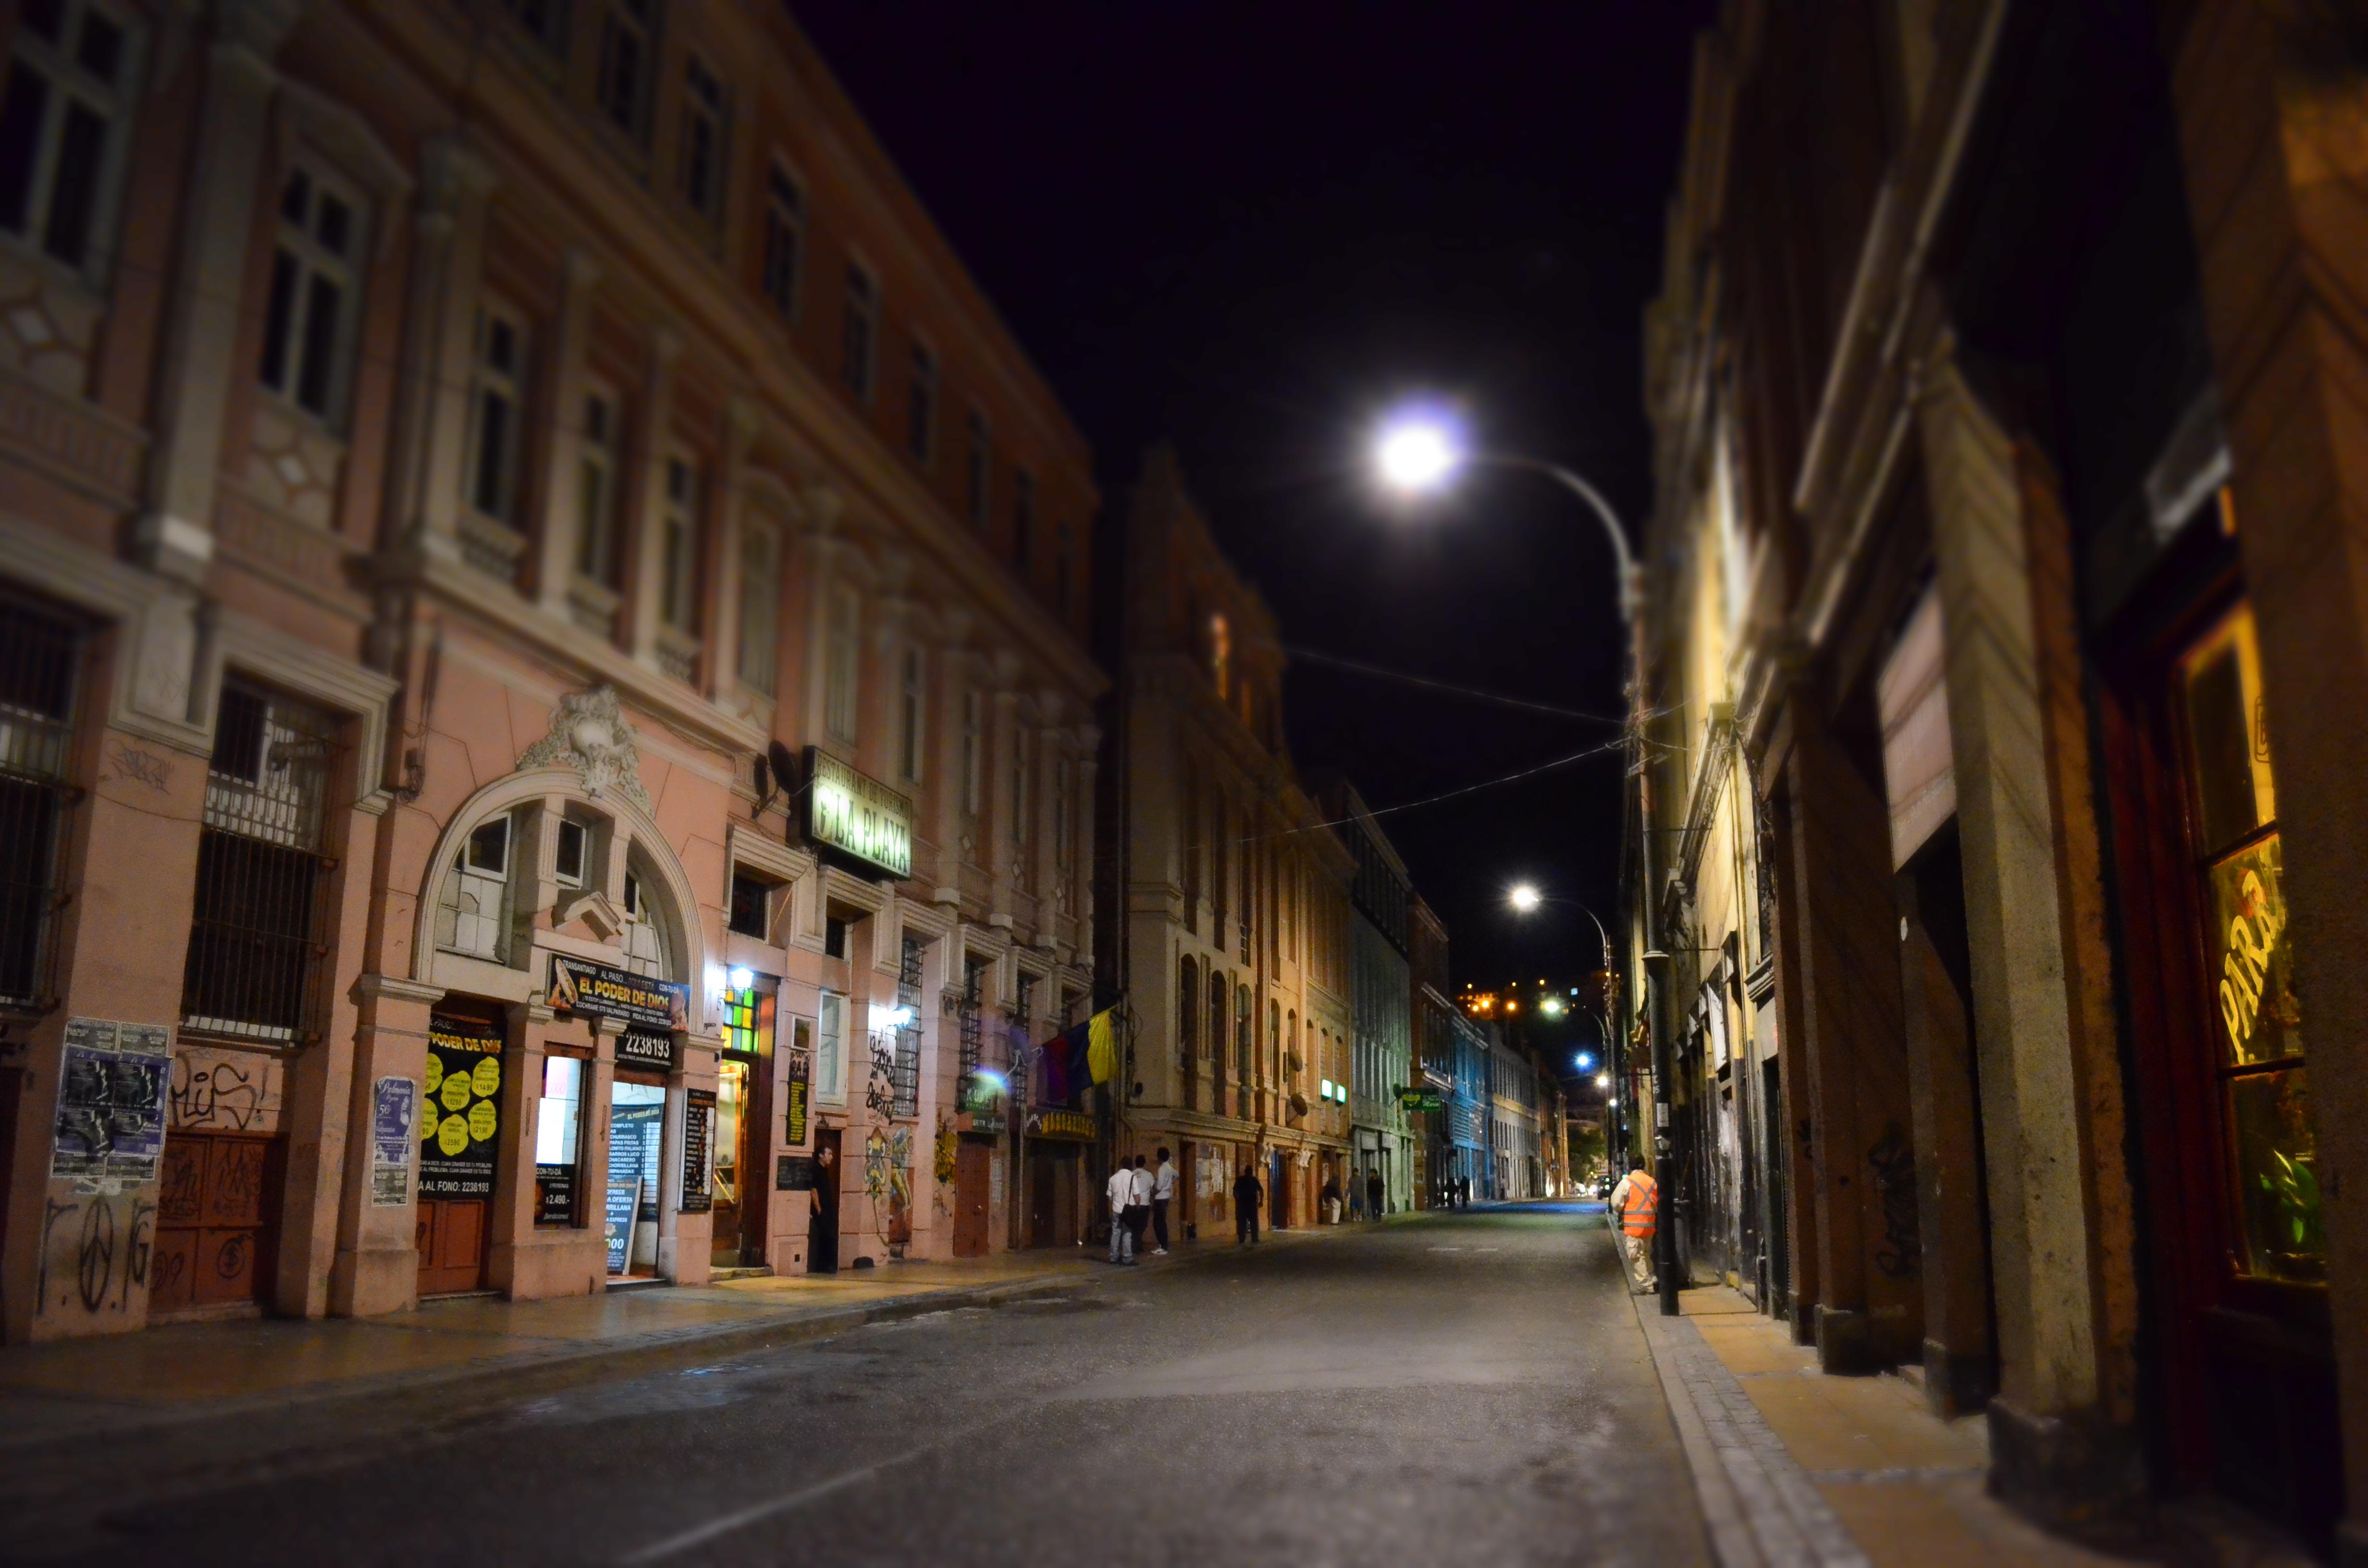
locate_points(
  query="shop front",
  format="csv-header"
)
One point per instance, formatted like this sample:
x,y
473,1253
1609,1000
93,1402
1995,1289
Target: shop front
x,y
745,1090
1060,1212
642,1021
460,1130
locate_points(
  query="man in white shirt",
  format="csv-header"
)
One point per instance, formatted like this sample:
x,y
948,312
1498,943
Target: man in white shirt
x,y
1162,1193
1121,1192
1138,1213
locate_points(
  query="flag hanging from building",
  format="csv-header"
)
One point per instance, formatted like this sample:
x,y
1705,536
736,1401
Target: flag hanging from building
x,y
1084,1056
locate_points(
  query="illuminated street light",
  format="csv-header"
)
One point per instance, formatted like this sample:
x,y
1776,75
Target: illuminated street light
x,y
740,977
1416,454
1603,1080
1525,898
1585,1060
1550,1006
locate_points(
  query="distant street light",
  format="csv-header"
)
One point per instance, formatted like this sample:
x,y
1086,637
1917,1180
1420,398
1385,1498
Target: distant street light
x,y
1603,1080
1550,1006
1585,1060
1525,898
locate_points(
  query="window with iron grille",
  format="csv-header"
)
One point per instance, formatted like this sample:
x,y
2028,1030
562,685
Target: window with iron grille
x,y
974,980
255,936
906,1077
38,654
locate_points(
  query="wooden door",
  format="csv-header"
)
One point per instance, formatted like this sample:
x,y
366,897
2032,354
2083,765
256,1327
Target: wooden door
x,y
451,1235
971,1164
1040,1167
216,1215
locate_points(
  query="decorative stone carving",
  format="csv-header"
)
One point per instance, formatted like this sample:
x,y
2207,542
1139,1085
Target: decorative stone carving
x,y
589,735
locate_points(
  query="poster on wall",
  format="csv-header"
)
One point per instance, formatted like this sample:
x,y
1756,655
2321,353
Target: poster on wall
x,y
634,1134
596,990
464,1115
617,1222
698,1138
111,1090
798,1086
394,1109
554,1195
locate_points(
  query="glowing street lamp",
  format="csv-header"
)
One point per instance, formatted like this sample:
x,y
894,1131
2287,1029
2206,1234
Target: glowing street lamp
x,y
1416,454
1550,1006
1525,898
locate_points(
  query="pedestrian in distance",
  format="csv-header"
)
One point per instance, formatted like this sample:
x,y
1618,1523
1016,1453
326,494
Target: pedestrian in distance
x,y
1635,1215
1122,1189
1463,1192
1330,1196
1248,1194
1138,1204
1373,1195
1162,1193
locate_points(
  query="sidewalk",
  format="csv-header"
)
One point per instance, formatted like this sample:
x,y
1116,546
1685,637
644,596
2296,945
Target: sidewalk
x,y
1795,1467
469,1351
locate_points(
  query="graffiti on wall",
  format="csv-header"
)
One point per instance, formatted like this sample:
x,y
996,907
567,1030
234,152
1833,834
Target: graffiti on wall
x,y
888,1180
1892,1162
95,1252
947,1158
225,1091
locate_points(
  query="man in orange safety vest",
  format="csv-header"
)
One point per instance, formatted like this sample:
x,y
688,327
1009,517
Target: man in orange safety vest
x,y
1635,1214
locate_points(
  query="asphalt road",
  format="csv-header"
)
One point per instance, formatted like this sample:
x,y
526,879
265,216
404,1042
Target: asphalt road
x,y
1465,1389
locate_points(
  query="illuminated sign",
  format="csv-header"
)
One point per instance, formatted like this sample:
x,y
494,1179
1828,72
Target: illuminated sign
x,y
856,815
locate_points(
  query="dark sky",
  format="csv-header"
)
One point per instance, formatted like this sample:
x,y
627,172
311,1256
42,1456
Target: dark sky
x,y
1249,229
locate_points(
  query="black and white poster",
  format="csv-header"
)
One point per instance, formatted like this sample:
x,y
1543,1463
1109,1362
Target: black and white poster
x,y
112,1088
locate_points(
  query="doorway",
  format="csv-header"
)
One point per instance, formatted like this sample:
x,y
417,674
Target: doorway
x,y
974,1161
1053,1174
459,1133
629,1206
821,1219
216,1202
732,1197
1277,1189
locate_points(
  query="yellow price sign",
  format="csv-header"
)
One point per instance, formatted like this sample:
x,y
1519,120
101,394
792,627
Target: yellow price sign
x,y
482,1120
452,1137
487,1077
435,1072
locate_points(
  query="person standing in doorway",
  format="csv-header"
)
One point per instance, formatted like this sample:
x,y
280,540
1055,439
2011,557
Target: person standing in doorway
x,y
1246,1196
1162,1193
1122,1189
1635,1215
1330,1198
1373,1195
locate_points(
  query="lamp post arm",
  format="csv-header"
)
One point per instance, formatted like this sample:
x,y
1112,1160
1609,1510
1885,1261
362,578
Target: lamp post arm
x,y
1631,585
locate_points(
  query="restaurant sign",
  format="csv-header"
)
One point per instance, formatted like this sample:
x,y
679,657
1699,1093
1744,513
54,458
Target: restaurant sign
x,y
1062,1124
856,815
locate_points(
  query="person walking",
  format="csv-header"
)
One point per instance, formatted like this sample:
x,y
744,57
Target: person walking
x,y
1122,1189
1162,1193
1138,1202
1246,1196
1330,1196
1373,1195
1635,1214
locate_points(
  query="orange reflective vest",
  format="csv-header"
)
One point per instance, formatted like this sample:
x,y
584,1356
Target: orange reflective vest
x,y
1639,1214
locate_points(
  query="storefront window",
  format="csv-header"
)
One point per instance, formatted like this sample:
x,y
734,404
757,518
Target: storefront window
x,y
557,1135
2248,958
637,1130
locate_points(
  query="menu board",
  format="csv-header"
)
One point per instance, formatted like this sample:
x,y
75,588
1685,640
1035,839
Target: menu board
x,y
617,1223
462,1117
697,1141
798,1083
796,1173
634,1134
554,1195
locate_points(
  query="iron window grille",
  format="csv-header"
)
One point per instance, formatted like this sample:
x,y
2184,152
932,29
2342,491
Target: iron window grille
x,y
255,936
904,1077
971,1030
40,653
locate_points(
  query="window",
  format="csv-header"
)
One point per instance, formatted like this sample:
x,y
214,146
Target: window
x,y
921,407
978,481
253,938
973,750
760,601
1062,576
308,327
748,1022
597,556
1023,522
497,401
544,20
904,1068
833,937
647,950
909,714
841,664
1244,1037
858,333
752,904
472,915
1221,654
558,1133
1020,802
571,853
628,61
61,126
702,159
785,238
1188,1031
1061,812
2248,948
830,1055
678,546
40,653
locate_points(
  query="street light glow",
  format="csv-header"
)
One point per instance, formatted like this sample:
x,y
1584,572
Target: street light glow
x,y
741,977
1603,1080
1525,898
1550,1006
1415,455
1585,1060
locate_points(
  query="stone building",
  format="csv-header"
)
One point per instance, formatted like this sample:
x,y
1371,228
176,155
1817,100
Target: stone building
x,y
1229,934
1430,1132
543,686
1381,980
2006,625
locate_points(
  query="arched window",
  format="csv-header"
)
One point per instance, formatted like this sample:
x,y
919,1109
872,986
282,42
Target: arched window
x,y
1217,1041
1245,1040
1188,1019
1274,1043
648,938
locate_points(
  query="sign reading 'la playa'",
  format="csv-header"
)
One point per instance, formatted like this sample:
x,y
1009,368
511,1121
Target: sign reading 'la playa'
x,y
858,815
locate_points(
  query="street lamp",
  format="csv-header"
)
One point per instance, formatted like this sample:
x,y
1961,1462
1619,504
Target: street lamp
x,y
1525,898
1417,452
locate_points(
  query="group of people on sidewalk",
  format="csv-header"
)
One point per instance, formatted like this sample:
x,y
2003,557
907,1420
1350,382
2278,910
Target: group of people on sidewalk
x,y
1368,1202
1139,1197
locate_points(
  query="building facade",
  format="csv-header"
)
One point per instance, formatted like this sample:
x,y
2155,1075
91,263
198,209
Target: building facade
x,y
1231,941
2005,632
542,667
1382,1001
1430,1133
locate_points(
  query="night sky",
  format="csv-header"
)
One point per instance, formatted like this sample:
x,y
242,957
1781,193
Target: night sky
x,y
1250,230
